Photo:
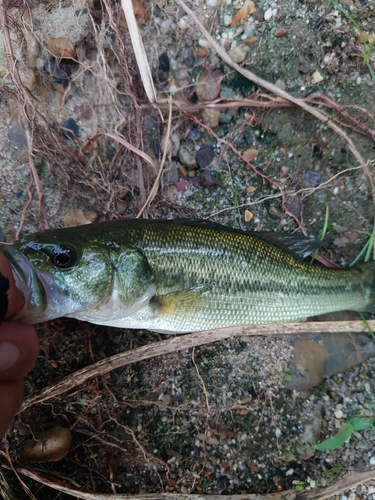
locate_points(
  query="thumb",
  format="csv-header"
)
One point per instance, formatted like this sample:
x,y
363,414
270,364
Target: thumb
x,y
19,349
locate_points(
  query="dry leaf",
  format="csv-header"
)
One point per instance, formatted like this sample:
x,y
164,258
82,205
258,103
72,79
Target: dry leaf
x,y
247,8
250,154
61,47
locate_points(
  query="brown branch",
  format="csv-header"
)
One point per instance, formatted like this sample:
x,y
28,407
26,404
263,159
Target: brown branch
x,y
316,494
183,342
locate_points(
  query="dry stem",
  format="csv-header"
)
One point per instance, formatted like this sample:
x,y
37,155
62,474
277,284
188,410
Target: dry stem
x,y
182,342
316,494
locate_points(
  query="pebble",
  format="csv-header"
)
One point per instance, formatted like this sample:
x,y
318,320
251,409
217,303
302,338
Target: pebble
x,y
280,32
238,54
121,206
316,77
70,129
149,124
173,144
248,216
269,14
164,63
17,136
165,26
54,446
61,72
211,117
249,30
339,414
187,159
250,154
194,134
209,85
204,156
74,218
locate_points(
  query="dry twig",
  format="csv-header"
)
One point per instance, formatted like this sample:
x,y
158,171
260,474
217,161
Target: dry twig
x,y
316,494
183,342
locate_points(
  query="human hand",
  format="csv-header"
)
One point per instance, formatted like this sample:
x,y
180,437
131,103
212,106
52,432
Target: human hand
x,y
19,349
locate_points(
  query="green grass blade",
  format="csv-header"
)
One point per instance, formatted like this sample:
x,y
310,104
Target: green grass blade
x,y
335,441
360,423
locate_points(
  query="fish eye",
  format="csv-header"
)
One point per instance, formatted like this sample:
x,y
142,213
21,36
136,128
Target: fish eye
x,y
63,257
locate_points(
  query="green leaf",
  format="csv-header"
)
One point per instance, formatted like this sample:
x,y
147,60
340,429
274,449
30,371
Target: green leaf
x,y
360,423
335,441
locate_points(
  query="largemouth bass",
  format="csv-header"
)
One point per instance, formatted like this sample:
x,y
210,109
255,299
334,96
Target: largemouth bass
x,y
176,276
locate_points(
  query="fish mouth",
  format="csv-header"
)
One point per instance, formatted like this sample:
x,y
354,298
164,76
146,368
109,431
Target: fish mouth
x,y
38,287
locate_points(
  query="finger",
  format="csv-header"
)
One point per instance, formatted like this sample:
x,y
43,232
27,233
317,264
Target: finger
x,y
15,296
11,396
19,349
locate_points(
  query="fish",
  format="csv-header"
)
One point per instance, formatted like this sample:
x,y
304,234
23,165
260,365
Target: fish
x,y
177,276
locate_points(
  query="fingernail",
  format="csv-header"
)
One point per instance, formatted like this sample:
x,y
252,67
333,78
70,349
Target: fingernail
x,y
9,354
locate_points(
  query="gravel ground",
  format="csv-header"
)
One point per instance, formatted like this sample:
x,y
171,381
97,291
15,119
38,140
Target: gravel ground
x,y
218,419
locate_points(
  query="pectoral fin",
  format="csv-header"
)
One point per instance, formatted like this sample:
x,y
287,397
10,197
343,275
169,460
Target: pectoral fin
x,y
181,302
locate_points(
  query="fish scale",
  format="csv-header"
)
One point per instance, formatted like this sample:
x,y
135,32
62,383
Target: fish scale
x,y
184,276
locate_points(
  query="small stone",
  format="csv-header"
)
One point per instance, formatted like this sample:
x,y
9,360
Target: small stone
x,y
121,206
70,129
248,216
194,134
280,84
182,185
280,32
166,398
79,218
259,15
238,54
173,144
149,124
165,26
339,414
204,156
250,41
250,189
164,63
211,117
202,52
274,213
55,445
17,136
61,47
187,159
250,154
182,171
316,77
269,14
209,85
227,20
